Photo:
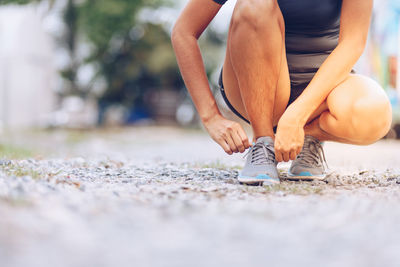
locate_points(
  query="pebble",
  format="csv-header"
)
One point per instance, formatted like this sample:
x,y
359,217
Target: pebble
x,y
123,212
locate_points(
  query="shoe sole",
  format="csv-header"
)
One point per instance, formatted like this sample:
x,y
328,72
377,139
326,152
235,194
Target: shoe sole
x,y
258,180
305,176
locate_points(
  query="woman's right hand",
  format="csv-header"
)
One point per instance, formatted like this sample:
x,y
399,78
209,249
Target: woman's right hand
x,y
228,134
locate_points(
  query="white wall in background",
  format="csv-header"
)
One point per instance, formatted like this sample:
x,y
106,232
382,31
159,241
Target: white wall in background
x,y
27,72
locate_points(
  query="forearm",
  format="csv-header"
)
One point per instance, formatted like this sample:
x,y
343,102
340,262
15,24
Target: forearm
x,y
194,75
332,72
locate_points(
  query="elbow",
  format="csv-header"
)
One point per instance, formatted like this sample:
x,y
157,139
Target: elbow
x,y
180,34
175,35
356,46
359,46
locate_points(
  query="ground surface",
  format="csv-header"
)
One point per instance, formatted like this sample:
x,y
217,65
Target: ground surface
x,y
168,197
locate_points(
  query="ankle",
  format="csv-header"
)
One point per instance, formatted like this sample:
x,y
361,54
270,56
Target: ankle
x,y
255,138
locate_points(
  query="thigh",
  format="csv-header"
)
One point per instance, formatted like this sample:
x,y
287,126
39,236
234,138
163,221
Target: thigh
x,y
232,88
358,111
356,91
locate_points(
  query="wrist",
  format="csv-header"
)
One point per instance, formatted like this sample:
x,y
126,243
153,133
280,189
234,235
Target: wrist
x,y
209,115
295,115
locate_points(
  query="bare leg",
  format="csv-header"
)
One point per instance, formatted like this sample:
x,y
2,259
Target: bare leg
x,y
356,112
256,76
314,129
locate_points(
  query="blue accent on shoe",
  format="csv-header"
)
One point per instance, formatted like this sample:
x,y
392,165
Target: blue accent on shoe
x,y
301,174
260,176
263,176
305,174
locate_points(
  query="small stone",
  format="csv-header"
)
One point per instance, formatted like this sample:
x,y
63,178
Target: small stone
x,y
5,162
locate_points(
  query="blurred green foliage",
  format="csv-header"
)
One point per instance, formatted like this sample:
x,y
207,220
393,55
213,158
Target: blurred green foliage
x,y
130,57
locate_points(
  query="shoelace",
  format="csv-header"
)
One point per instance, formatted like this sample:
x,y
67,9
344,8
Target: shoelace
x,y
261,154
312,154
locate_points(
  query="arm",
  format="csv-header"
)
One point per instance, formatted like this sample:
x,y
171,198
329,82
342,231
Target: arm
x,y
354,26
190,25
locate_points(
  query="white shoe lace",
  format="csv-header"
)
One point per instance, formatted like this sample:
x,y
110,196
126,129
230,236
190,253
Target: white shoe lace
x,y
261,154
312,154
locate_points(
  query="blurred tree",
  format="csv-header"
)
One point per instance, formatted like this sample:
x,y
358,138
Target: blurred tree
x,y
69,42
128,56
132,57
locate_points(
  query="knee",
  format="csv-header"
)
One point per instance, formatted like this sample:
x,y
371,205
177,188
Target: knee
x,y
254,14
370,119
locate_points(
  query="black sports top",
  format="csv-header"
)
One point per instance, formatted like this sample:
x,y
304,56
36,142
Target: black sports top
x,y
312,32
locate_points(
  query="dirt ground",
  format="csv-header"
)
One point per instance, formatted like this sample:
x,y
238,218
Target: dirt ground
x,y
159,196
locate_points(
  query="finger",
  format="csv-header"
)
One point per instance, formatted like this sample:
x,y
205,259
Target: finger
x,y
231,144
293,155
225,146
238,141
285,156
278,156
298,150
243,137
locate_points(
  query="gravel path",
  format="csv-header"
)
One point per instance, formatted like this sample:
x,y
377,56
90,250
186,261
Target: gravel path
x,y
136,197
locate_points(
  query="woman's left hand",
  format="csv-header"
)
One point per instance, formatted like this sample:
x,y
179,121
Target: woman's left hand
x,y
289,138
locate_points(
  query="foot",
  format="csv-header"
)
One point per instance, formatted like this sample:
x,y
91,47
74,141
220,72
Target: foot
x,y
260,167
309,164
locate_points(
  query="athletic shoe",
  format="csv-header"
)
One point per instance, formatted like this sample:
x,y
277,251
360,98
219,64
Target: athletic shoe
x,y
309,164
260,167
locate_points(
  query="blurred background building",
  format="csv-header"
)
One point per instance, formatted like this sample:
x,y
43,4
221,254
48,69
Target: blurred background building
x,y
27,71
85,63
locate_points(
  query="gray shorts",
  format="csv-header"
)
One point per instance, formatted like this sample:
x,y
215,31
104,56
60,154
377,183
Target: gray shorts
x,y
295,91
298,83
